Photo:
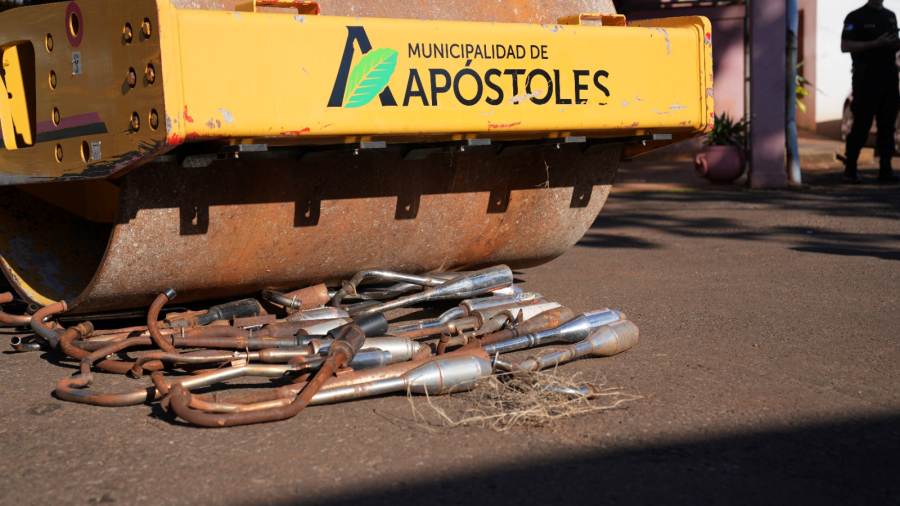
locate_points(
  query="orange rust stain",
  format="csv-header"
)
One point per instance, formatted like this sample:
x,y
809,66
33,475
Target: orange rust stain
x,y
502,126
187,117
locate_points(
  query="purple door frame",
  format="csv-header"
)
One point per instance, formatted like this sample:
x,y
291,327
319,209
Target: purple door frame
x,y
766,60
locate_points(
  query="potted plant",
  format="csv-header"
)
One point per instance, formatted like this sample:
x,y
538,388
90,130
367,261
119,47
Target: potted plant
x,y
722,158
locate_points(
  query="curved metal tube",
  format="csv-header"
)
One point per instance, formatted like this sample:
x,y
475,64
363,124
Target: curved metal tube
x,y
490,320
468,285
349,288
153,323
194,358
436,376
425,328
347,342
569,332
66,389
67,345
11,320
38,326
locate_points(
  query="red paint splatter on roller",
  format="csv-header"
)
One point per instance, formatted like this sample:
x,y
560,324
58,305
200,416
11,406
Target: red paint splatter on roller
x,y
291,133
502,126
187,117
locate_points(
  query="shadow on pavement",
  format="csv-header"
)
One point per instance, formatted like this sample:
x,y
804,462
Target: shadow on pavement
x,y
846,462
691,214
850,251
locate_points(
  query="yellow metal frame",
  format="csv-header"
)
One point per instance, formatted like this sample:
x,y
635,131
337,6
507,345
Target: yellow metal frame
x,y
286,78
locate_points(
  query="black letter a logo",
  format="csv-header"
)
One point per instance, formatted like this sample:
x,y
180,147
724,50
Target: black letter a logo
x,y
380,66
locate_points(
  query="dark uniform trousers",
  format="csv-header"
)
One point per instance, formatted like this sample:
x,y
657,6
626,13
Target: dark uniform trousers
x,y
874,97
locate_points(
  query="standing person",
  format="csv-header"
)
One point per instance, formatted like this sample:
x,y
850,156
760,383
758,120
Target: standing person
x,y
870,36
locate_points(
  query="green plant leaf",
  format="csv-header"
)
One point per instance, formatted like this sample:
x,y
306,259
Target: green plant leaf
x,y
369,77
727,132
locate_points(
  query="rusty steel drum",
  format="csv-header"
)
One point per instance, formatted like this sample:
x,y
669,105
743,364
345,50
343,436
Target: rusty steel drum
x,y
234,226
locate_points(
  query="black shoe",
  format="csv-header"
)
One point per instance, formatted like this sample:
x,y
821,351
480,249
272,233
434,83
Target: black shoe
x,y
888,178
852,178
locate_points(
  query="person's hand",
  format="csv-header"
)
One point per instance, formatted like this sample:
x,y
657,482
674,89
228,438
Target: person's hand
x,y
888,39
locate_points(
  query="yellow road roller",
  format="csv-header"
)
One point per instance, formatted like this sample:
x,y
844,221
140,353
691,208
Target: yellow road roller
x,y
224,146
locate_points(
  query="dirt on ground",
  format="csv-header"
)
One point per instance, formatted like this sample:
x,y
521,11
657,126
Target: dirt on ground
x,y
767,370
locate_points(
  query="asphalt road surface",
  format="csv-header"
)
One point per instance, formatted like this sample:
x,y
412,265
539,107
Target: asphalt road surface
x,y
769,371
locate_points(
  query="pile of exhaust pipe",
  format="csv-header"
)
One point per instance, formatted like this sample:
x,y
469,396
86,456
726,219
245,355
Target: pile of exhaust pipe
x,y
320,345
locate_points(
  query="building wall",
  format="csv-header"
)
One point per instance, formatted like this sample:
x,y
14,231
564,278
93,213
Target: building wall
x,y
808,45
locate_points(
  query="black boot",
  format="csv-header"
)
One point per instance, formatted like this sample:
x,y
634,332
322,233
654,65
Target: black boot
x,y
851,174
886,169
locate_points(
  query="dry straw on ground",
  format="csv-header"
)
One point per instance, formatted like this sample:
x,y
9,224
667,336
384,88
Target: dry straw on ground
x,y
523,400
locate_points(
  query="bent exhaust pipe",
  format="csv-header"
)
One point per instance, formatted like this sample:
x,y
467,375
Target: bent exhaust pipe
x,y
425,328
606,341
570,332
11,320
436,377
489,321
549,319
461,287
37,322
350,287
284,395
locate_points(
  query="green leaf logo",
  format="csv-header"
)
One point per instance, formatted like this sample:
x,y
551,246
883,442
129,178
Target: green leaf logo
x,y
369,77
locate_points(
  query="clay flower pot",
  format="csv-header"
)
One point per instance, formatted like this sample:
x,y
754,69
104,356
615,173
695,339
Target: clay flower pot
x,y
720,164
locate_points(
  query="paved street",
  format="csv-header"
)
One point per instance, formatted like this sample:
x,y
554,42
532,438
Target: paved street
x,y
768,369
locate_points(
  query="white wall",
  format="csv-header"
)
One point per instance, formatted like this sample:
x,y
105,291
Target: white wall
x,y
833,67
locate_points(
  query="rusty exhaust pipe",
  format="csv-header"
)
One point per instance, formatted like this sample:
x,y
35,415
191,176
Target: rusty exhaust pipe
x,y
74,388
350,287
347,342
490,321
42,330
11,320
298,300
153,323
451,373
244,308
